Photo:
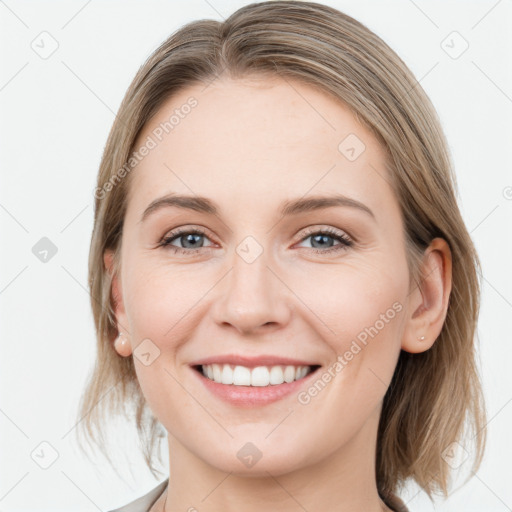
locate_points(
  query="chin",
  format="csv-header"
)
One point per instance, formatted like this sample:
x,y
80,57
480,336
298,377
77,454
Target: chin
x,y
248,459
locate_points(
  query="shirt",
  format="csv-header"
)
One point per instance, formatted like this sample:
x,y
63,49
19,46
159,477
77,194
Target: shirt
x,y
144,503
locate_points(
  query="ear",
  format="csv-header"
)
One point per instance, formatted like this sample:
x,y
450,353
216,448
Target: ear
x,y
117,294
429,299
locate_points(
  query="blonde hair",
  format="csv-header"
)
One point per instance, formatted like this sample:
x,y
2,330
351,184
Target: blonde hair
x,y
435,397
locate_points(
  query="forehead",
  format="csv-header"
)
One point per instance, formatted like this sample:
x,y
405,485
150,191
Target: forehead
x,y
258,137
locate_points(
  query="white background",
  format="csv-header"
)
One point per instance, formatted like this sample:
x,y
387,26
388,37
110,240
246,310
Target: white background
x,y
55,117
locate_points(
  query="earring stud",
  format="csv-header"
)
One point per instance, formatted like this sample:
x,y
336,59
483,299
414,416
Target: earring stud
x,y
421,338
121,345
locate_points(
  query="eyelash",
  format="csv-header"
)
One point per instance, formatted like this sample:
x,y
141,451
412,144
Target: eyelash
x,y
345,241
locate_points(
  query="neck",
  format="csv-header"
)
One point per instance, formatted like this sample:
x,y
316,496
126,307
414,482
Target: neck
x,y
344,481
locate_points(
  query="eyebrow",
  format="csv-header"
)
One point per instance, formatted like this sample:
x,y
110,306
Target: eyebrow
x,y
290,207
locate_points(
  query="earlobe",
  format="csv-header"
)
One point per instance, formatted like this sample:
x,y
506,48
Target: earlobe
x,y
429,300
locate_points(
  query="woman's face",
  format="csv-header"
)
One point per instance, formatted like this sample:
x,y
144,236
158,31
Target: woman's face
x,y
275,277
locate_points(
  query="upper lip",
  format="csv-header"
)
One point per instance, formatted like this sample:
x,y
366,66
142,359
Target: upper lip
x,y
252,362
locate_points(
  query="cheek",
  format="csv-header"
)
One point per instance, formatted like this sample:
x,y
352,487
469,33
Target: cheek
x,y
364,313
160,298
353,298
160,308
363,308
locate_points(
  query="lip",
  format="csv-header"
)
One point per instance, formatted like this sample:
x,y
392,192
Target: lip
x,y
252,362
253,396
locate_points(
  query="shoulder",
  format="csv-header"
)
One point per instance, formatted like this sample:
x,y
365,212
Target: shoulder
x,y
144,503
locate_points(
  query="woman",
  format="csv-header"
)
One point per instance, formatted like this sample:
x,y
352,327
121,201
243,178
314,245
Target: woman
x,y
280,275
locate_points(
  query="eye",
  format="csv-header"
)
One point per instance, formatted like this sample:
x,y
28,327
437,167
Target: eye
x,y
321,240
191,240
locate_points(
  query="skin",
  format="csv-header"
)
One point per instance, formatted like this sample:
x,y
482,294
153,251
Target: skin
x,y
249,145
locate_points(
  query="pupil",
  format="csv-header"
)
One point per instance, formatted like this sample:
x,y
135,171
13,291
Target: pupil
x,y
190,238
322,239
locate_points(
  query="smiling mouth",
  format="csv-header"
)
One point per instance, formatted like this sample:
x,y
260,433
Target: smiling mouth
x,y
259,376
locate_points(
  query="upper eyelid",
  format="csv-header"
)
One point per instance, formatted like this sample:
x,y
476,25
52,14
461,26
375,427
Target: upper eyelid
x,y
311,230
204,231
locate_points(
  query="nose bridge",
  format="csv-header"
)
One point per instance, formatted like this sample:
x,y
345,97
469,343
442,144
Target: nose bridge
x,y
252,296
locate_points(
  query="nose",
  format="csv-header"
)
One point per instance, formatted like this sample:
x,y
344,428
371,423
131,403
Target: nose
x,y
253,299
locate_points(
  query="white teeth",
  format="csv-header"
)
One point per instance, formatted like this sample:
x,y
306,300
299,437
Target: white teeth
x,y
276,375
217,373
241,376
227,374
300,373
290,373
259,376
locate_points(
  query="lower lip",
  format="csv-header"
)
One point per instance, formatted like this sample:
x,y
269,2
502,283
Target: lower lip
x,y
253,396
